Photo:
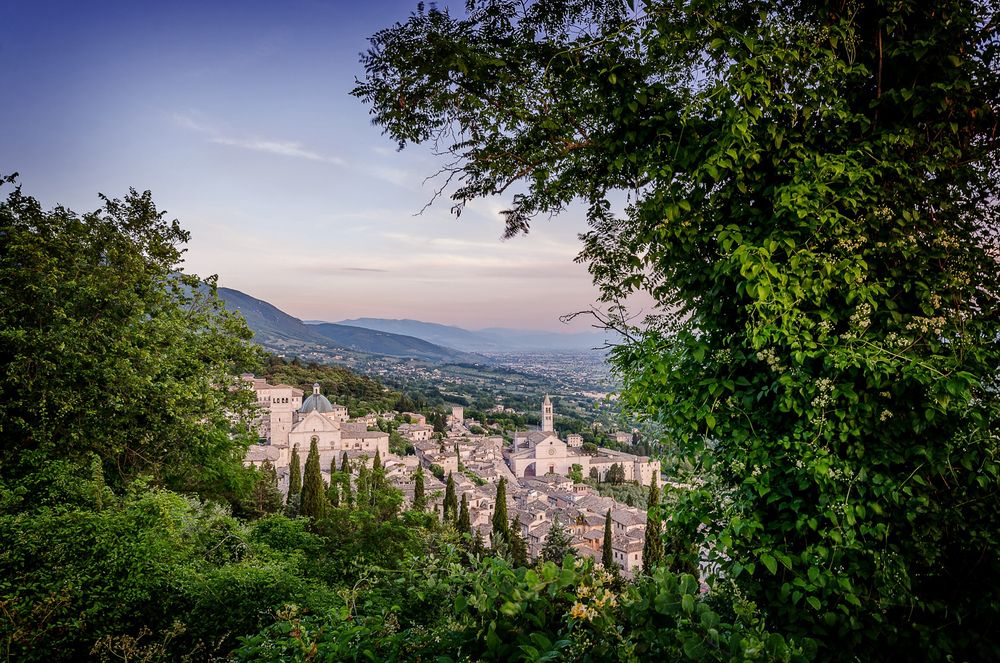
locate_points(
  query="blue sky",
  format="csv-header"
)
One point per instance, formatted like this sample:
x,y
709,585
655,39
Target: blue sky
x,y
238,117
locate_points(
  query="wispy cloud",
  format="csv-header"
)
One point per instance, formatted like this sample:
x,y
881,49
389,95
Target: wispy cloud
x,y
281,148
278,147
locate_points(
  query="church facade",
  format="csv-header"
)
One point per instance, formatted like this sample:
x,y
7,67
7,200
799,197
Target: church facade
x,y
538,453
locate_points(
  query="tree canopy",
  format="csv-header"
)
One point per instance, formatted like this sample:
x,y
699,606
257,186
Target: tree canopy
x,y
808,191
109,349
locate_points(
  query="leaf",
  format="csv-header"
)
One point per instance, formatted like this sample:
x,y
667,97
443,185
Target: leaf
x,y
770,563
687,603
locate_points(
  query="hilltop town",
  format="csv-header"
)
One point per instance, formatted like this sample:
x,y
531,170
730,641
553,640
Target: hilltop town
x,y
543,473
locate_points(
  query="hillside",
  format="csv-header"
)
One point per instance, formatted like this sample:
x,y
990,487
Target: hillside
x,y
280,332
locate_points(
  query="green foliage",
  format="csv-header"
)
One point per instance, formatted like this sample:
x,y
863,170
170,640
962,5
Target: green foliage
x,y
360,393
294,482
313,502
107,348
265,497
652,546
558,544
150,564
518,546
501,525
615,474
419,498
607,553
576,473
463,525
815,196
494,612
450,501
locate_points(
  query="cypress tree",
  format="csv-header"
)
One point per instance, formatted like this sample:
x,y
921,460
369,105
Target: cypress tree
x,y
364,487
265,497
333,489
464,524
313,490
501,526
450,500
377,463
294,478
419,499
347,496
345,464
558,544
608,556
518,546
652,548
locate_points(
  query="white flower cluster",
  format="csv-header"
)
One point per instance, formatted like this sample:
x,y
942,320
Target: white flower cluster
x,y
896,341
862,315
927,325
851,244
948,241
770,357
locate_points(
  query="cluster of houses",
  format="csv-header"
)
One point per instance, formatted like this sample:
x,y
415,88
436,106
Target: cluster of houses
x,y
537,467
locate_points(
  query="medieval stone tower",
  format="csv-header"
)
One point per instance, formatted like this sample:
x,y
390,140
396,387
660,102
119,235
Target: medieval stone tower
x,y
547,415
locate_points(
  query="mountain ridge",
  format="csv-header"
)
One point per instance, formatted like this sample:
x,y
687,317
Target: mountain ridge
x,y
279,331
492,339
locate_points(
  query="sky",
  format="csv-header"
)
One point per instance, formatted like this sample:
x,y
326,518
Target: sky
x,y
238,117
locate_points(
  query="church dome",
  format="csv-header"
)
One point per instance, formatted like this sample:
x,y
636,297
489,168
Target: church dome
x,y
317,402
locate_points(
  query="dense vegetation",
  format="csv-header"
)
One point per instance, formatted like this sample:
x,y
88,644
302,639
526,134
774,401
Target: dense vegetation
x,y
359,393
812,192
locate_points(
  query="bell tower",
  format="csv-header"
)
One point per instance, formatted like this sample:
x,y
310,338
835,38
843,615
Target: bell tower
x,y
547,415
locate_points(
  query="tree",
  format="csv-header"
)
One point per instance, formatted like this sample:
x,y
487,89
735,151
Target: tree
x,y
313,488
652,546
347,494
464,525
814,203
98,319
478,545
616,474
518,546
558,543
501,526
265,497
364,484
594,475
607,554
450,501
345,464
419,499
333,491
294,481
576,473
377,463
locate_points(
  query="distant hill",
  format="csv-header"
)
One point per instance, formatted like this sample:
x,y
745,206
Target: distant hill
x,y
278,331
495,339
454,337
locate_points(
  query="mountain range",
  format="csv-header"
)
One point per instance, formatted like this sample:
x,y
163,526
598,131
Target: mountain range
x,y
493,339
281,332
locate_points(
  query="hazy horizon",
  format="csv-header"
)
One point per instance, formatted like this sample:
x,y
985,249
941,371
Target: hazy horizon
x,y
241,124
